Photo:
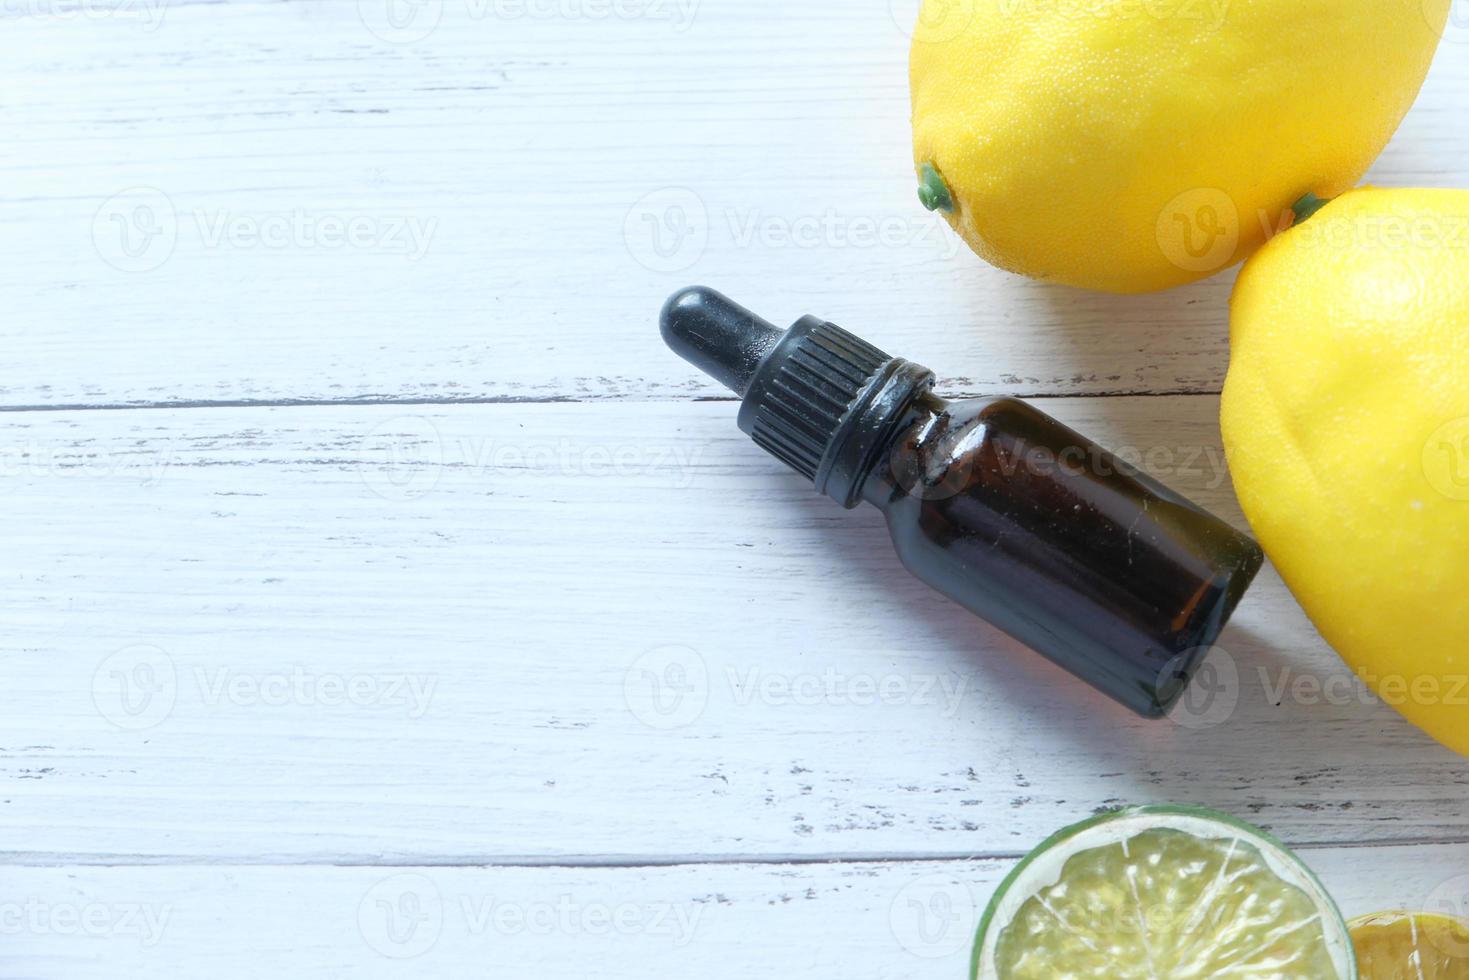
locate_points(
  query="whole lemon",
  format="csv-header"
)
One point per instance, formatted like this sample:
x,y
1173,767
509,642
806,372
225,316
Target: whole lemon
x,y
1133,145
1346,423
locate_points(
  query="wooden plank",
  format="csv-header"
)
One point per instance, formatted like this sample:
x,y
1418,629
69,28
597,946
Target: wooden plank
x,y
500,632
881,921
329,215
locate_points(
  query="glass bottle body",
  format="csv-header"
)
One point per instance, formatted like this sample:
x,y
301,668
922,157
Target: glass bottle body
x,y
1060,544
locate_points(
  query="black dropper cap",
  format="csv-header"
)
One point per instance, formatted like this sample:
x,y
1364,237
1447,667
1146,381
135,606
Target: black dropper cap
x,y
817,397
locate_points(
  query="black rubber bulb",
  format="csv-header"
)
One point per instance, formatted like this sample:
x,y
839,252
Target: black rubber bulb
x,y
717,336
1000,507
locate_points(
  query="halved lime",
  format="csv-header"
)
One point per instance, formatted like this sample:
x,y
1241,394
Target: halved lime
x,y
1411,946
1153,892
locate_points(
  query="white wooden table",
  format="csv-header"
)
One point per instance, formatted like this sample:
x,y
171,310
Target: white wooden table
x,y
383,600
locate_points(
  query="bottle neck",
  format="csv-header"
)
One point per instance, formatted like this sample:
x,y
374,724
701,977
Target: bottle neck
x,y
890,477
872,424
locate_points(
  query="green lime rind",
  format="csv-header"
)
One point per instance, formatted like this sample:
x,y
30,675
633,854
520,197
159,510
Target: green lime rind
x,y
1162,811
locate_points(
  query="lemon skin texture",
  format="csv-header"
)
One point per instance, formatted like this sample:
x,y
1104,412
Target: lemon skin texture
x,y
1346,423
1134,145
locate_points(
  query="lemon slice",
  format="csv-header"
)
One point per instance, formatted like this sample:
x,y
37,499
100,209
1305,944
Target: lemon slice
x,y
1411,946
1162,892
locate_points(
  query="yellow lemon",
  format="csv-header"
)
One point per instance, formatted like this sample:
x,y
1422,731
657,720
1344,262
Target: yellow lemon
x,y
1133,145
1346,421
1411,946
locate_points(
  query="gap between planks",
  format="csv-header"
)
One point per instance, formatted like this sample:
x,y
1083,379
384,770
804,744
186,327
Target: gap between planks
x,y
520,400
633,861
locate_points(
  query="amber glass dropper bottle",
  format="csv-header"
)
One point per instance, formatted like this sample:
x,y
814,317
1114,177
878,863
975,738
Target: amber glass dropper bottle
x,y
998,506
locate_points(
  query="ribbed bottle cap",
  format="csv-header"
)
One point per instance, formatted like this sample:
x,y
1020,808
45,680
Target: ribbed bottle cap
x,y
807,386
818,398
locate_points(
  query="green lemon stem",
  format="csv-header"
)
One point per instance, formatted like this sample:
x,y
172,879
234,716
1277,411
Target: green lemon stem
x,y
932,191
1308,206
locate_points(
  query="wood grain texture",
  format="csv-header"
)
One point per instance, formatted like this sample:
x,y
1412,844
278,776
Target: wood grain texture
x,y
874,921
310,563
520,633
470,214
